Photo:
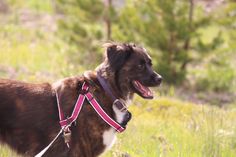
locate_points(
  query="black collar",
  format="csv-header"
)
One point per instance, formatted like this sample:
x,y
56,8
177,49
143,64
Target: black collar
x,y
120,104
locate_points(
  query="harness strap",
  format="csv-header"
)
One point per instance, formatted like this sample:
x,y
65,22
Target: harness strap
x,y
103,114
42,152
75,113
61,114
66,123
78,106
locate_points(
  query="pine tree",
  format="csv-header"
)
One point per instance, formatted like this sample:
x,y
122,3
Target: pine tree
x,y
167,27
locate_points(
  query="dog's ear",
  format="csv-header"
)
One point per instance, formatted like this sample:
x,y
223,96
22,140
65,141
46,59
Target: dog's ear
x,y
117,55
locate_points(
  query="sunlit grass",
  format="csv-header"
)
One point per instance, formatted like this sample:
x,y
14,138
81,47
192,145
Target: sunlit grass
x,y
6,152
32,55
45,6
172,128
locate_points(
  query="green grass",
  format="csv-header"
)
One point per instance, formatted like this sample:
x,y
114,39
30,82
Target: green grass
x,y
166,127
45,6
6,152
33,55
171,128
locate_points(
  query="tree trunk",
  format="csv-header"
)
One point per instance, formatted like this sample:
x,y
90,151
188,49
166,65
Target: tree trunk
x,y
190,19
187,41
107,18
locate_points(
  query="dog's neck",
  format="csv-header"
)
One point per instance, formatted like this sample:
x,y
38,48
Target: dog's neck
x,y
119,91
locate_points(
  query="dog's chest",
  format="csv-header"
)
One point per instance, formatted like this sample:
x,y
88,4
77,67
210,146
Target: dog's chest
x,y
109,136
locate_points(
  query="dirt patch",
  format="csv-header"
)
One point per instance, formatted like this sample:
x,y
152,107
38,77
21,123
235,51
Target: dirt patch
x,y
35,20
202,97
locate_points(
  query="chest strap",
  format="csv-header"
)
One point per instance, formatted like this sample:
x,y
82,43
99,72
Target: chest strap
x,y
65,122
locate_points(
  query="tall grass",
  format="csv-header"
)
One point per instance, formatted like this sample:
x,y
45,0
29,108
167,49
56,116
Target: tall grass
x,y
170,128
33,55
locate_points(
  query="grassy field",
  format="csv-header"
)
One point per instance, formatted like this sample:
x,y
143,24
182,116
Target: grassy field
x,y
170,128
166,127
163,127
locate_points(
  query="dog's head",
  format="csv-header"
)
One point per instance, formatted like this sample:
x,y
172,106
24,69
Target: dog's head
x,y
132,68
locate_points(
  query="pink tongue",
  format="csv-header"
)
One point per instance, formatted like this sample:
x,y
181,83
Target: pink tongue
x,y
146,92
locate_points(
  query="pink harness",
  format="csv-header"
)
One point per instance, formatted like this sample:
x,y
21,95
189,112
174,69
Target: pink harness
x,y
66,122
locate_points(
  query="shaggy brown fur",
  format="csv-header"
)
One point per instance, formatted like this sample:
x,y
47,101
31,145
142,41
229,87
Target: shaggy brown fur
x,y
29,115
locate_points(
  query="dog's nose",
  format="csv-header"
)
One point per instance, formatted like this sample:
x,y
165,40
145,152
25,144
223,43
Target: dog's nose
x,y
127,118
157,78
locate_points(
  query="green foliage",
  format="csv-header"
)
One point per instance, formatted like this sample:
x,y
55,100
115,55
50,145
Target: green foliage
x,y
173,30
46,6
227,20
31,54
170,29
218,76
81,28
166,28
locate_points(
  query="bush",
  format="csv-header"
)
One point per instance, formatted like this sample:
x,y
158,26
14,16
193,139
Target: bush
x,y
219,75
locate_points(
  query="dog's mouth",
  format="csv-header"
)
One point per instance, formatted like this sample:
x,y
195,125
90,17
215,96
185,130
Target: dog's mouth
x,y
142,90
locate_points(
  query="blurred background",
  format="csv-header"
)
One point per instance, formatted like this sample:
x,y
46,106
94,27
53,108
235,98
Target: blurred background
x,y
192,44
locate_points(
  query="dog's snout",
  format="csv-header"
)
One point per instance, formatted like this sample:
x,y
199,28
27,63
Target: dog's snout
x,y
157,78
127,118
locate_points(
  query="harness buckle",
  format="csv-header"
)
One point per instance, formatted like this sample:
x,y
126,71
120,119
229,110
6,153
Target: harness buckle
x,y
83,91
67,135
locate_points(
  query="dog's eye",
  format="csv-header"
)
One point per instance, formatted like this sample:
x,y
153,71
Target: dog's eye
x,y
141,66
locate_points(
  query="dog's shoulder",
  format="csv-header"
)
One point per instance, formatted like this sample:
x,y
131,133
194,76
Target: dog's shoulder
x,y
68,83
69,87
74,82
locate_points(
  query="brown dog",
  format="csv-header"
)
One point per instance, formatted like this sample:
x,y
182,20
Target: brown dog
x,y
29,114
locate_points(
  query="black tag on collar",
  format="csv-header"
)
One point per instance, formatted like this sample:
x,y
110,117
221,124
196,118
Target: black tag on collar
x,y
120,104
